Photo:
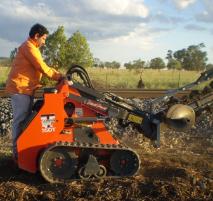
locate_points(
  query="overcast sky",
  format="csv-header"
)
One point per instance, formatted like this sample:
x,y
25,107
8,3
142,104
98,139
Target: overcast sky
x,y
120,30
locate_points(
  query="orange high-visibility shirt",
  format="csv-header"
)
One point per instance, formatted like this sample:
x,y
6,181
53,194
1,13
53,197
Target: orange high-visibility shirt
x,y
27,69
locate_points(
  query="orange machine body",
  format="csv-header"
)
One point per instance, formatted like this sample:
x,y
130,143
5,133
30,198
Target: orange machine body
x,y
47,126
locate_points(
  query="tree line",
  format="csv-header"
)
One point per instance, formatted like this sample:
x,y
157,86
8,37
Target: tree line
x,y
62,52
190,58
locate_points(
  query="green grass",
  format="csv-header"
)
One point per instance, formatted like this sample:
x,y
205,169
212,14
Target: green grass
x,y
112,78
153,79
3,75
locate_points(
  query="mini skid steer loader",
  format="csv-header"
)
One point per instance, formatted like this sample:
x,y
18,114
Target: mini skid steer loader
x,y
66,138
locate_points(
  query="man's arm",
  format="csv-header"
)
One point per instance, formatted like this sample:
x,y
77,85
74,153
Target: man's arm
x,y
34,56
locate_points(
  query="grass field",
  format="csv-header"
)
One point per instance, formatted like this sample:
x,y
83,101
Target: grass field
x,y
3,75
153,79
112,78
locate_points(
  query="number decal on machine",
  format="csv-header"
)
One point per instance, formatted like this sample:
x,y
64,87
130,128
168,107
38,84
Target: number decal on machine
x,y
47,122
135,119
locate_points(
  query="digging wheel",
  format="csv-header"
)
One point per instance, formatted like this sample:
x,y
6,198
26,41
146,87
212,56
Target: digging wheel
x,y
124,163
58,164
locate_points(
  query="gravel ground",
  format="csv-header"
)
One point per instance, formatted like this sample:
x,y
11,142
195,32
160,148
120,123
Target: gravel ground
x,y
5,116
181,169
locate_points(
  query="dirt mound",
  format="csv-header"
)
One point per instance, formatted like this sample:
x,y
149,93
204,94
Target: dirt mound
x,y
173,172
180,170
156,181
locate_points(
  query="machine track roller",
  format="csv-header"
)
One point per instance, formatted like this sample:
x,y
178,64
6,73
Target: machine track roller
x,y
102,172
57,164
124,163
92,169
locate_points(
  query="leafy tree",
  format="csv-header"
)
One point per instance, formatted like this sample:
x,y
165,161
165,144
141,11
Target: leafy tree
x,y
157,63
136,64
78,51
169,55
61,52
113,64
107,64
192,58
174,64
147,64
98,63
55,49
116,64
196,59
209,66
180,55
13,53
128,65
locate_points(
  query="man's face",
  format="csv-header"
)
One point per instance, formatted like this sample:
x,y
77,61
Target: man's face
x,y
40,40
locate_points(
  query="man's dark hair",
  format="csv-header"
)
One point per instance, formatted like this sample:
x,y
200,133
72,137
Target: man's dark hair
x,y
38,28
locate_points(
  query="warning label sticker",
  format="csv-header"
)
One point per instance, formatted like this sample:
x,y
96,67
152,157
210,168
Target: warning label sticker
x,y
47,123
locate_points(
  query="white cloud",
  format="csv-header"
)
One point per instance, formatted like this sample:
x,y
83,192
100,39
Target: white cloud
x,y
182,4
207,14
195,27
140,36
95,18
136,44
6,47
18,9
120,7
115,29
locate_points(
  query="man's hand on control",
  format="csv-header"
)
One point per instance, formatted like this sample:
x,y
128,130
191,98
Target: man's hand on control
x,y
66,80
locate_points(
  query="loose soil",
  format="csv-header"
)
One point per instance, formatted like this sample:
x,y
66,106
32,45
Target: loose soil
x,y
181,169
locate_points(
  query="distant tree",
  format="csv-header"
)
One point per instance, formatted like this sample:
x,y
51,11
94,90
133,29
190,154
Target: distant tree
x,y
174,64
180,55
169,55
13,53
128,65
113,64
101,65
54,51
78,51
116,65
147,64
5,61
98,63
107,64
136,64
192,58
157,63
209,66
